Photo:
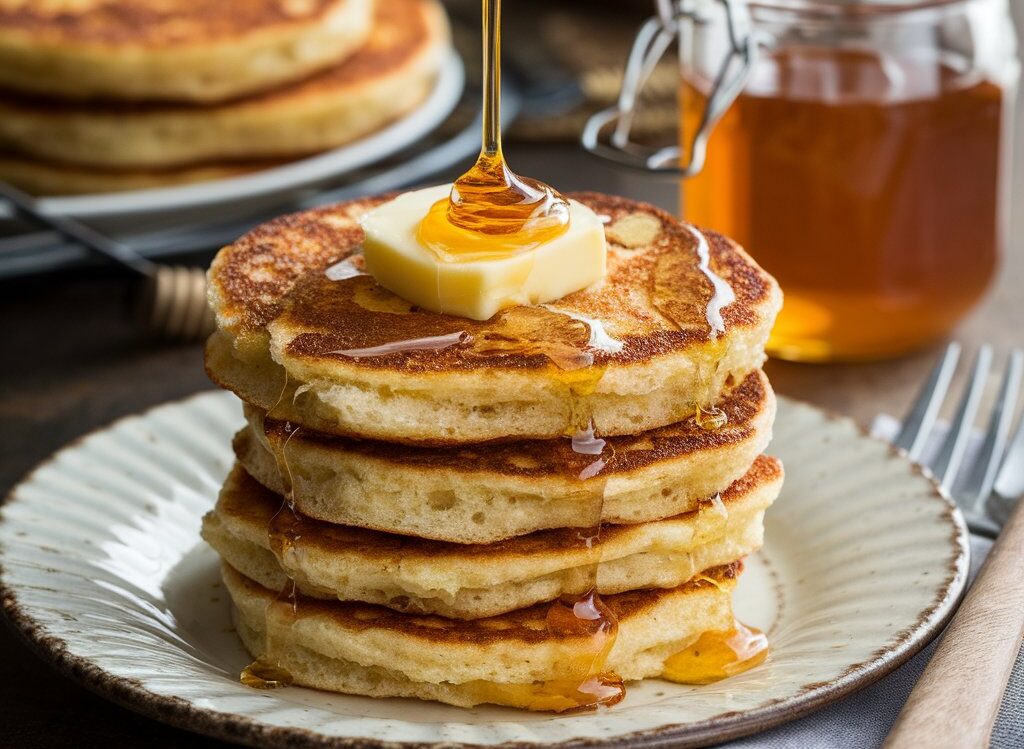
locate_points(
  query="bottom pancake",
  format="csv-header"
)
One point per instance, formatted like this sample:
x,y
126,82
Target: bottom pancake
x,y
479,580
369,650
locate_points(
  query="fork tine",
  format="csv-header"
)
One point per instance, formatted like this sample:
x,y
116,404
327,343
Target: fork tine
x,y
947,462
1010,479
983,473
921,418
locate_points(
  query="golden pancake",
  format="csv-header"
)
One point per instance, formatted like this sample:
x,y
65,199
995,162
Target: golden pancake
x,y
194,50
485,493
285,330
474,581
40,177
371,650
388,76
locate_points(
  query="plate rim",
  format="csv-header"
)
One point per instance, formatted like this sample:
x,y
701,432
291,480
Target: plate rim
x,y
442,99
130,693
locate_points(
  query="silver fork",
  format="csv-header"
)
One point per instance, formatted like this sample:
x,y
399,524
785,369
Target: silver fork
x,y
955,702
971,487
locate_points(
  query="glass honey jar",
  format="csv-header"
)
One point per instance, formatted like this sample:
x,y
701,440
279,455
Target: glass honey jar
x,y
859,150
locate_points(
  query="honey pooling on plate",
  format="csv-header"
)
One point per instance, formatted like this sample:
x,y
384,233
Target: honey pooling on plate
x,y
718,655
492,212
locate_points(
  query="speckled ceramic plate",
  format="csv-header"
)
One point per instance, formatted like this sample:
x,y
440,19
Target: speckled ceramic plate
x,y
104,573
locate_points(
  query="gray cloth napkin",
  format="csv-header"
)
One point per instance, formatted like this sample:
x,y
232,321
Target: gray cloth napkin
x,y
864,718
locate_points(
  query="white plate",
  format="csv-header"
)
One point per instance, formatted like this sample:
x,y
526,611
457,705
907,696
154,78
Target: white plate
x,y
272,182
104,572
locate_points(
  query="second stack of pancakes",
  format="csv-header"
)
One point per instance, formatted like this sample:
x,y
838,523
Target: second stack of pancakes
x,y
433,495
131,94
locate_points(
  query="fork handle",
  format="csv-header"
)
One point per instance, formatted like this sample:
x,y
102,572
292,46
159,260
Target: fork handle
x,y
956,700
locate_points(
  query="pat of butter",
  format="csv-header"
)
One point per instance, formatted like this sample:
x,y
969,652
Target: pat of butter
x,y
478,289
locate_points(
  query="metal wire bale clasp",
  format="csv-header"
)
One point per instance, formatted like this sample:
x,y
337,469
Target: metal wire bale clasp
x,y
655,37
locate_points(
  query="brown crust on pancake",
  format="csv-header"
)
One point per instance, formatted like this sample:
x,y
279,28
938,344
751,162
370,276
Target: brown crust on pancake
x,y
276,273
527,625
156,23
244,497
254,275
544,458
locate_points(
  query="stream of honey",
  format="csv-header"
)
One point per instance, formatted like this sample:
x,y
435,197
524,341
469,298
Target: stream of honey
x,y
492,212
868,186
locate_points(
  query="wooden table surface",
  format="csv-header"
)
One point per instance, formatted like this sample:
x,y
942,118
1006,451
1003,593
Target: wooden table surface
x,y
73,364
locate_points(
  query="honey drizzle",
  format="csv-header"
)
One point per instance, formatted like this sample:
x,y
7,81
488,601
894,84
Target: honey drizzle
x,y
717,655
710,418
429,343
492,212
267,671
584,619
599,337
722,294
585,442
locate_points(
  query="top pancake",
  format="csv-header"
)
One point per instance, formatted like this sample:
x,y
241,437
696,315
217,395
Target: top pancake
x,y
518,647
199,50
279,313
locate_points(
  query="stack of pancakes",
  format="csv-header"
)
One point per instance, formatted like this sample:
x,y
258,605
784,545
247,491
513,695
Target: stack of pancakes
x,y
419,499
104,95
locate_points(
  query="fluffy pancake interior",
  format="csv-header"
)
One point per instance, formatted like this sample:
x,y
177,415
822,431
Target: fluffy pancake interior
x,y
473,581
361,649
485,493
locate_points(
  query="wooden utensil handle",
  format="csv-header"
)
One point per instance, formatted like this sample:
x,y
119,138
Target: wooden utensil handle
x,y
956,701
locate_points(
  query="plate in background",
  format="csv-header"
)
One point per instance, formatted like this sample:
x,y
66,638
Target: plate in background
x,y
271,184
102,570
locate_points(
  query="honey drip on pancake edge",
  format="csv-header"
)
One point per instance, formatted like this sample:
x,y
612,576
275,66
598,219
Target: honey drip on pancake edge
x,y
267,671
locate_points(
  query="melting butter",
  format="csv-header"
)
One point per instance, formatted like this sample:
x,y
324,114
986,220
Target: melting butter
x,y
478,286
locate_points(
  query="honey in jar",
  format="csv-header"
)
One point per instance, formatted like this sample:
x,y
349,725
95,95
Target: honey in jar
x,y
878,215
858,149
